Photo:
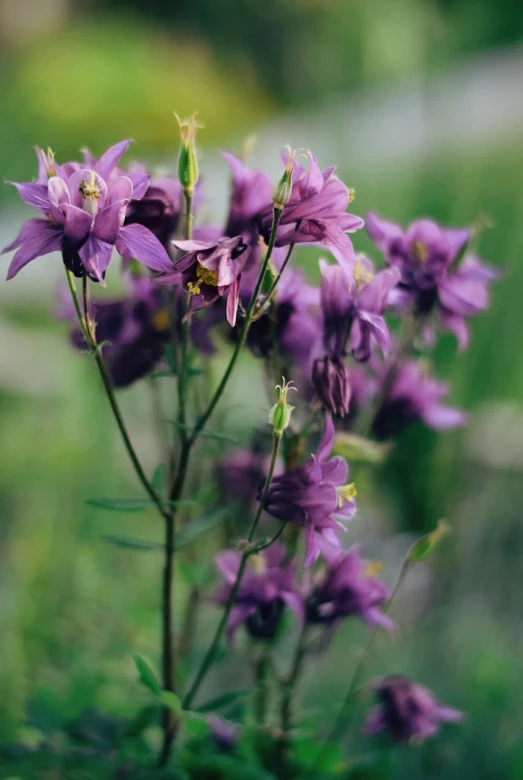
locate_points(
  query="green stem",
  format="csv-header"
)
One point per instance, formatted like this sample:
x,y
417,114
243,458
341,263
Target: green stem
x,y
202,421
272,290
343,719
261,671
290,683
88,331
248,551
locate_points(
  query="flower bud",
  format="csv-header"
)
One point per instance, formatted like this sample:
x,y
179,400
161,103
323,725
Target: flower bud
x,y
187,159
282,193
280,414
331,381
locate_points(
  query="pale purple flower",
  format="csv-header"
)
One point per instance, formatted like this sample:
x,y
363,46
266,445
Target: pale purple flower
x,y
407,711
432,280
345,588
267,587
415,395
314,495
209,271
83,215
316,213
250,194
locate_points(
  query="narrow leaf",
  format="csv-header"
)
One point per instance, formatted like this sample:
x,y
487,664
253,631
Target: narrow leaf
x,y
197,528
219,702
357,448
130,504
158,478
172,701
130,543
147,675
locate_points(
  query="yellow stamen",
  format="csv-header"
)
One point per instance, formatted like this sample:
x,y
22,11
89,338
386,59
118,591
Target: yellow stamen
x,y
346,493
90,189
420,251
203,276
352,194
373,568
258,563
160,320
362,274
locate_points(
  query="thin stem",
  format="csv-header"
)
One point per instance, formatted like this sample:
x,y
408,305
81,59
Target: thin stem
x,y
88,331
272,290
248,551
202,421
261,671
343,719
290,683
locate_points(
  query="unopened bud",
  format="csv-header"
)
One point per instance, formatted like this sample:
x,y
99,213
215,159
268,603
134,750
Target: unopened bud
x,y
282,193
280,414
187,159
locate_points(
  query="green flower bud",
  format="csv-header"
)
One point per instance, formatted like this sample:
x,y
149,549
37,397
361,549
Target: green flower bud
x,y
282,193
280,414
187,159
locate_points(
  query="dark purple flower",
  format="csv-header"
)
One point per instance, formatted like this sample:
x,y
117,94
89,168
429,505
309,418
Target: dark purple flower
x,y
210,270
159,209
353,305
313,494
250,195
266,588
83,216
135,327
331,381
225,734
348,587
316,213
426,256
242,470
407,711
415,395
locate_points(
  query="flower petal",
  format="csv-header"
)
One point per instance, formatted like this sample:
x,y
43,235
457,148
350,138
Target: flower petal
x,y
138,242
107,162
96,256
232,303
33,194
37,237
109,220
77,224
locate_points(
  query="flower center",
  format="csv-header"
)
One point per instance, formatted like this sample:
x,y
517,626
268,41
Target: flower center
x,y
362,274
90,189
419,251
373,568
346,493
203,276
258,563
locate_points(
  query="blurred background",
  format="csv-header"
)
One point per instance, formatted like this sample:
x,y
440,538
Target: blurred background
x,y
419,104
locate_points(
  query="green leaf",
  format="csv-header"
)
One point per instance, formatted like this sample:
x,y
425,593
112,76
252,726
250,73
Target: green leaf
x,y
199,527
131,543
130,504
162,374
357,448
158,478
172,701
426,545
147,675
222,701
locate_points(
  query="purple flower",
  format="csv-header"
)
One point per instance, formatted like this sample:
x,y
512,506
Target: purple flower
x,y
83,214
266,588
407,711
210,270
313,494
426,255
353,306
241,472
159,209
135,326
250,195
348,587
331,381
316,213
415,395
224,733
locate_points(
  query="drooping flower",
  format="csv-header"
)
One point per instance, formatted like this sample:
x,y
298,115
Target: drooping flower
x,y
313,495
210,270
266,588
407,711
415,395
426,256
83,215
331,381
134,327
348,587
316,213
159,209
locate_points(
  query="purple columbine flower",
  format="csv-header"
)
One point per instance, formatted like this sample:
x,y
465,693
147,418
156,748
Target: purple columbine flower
x,y
83,216
407,711
415,395
313,495
266,588
241,471
316,213
331,382
426,256
348,587
159,209
225,734
210,270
